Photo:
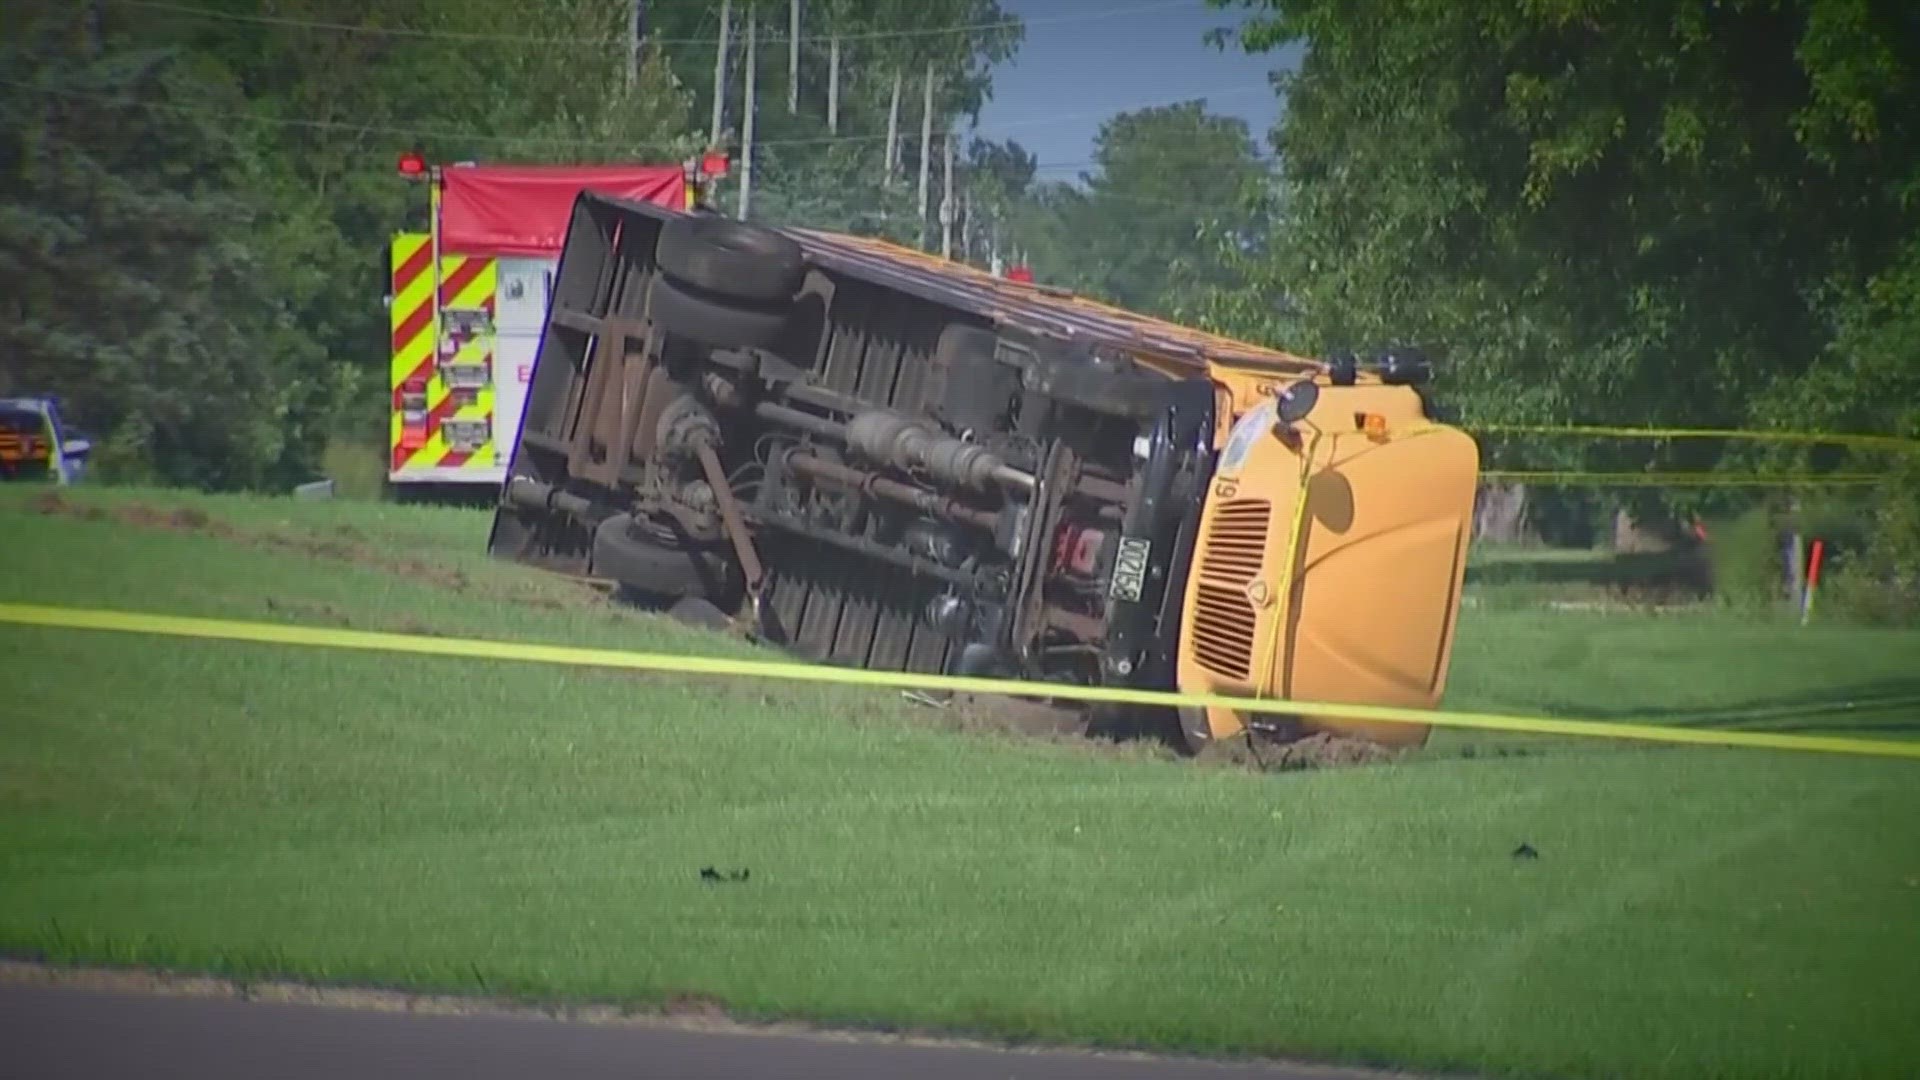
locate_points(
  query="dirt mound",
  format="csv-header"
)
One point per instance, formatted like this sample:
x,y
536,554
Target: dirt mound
x,y
138,515
54,504
1315,751
1142,732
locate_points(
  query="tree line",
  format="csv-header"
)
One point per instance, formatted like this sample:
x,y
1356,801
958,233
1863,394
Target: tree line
x,y
197,195
1659,212
1662,213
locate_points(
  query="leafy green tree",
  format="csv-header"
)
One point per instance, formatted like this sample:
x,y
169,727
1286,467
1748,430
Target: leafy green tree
x,y
1242,294
126,229
835,188
331,107
998,177
1042,236
1869,380
260,137
1167,180
1645,212
1606,210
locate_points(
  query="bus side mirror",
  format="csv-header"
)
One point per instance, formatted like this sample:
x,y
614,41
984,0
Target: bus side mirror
x,y
1291,406
76,448
1294,403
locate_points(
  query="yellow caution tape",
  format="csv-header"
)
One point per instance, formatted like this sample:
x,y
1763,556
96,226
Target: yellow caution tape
x,y
1682,479
469,648
1876,442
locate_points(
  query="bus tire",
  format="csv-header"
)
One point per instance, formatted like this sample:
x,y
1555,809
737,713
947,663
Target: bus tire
x,y
714,323
641,565
731,259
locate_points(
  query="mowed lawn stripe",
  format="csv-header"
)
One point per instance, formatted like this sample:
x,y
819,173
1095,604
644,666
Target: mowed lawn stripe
x,y
456,825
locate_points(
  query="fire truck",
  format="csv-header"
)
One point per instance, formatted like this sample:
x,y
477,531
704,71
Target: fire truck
x,y
467,298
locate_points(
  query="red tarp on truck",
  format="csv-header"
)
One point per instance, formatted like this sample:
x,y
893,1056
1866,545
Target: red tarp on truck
x,y
525,209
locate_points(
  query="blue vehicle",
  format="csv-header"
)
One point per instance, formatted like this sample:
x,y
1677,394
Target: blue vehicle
x,y
36,445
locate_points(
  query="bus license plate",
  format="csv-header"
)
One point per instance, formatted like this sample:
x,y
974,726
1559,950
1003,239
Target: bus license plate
x,y
1130,569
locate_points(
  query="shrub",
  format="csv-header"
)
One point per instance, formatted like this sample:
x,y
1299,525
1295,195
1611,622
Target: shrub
x,y
1881,584
1744,559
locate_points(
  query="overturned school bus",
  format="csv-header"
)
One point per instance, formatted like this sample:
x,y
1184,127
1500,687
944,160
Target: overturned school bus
x,y
888,460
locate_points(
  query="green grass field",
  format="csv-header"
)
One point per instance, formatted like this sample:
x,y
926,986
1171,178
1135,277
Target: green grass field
x,y
452,825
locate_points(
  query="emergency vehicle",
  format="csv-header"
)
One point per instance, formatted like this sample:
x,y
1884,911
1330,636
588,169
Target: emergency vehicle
x,y
467,299
36,444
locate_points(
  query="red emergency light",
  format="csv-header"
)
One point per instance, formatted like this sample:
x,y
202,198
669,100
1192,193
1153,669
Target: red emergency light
x,y
413,165
713,163
1020,274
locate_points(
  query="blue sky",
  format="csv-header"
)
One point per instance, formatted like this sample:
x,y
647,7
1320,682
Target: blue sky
x,y
1084,60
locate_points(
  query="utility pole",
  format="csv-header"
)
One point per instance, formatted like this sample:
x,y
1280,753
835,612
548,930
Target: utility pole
x,y
833,84
793,56
947,202
966,223
720,74
926,151
636,33
746,123
893,125
92,32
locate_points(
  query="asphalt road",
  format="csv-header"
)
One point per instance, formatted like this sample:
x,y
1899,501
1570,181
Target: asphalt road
x,y
51,1032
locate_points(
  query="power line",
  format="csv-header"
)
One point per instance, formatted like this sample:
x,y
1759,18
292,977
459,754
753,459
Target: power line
x,y
414,131
228,134
1035,122
1263,87
521,39
407,132
1181,158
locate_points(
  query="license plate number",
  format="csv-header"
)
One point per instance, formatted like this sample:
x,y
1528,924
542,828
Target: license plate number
x,y
1130,569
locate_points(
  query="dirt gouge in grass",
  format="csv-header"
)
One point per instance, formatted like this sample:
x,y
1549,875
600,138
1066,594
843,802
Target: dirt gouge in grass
x,y
477,649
